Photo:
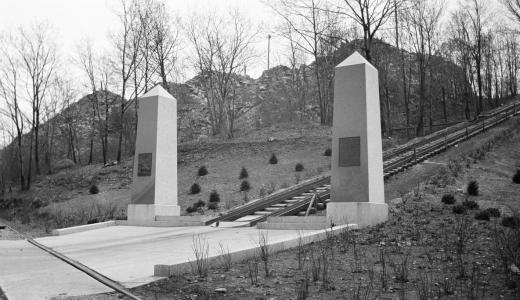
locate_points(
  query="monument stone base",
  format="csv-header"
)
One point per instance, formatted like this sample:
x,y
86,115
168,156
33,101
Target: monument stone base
x,y
360,213
146,213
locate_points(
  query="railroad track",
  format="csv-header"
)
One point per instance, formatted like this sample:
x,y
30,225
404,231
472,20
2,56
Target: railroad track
x,y
294,200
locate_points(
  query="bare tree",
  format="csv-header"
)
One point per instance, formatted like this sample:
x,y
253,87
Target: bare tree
x,y
223,47
299,83
513,6
422,22
398,11
10,66
126,43
106,79
66,94
49,114
460,49
370,15
165,42
38,52
476,12
316,25
512,62
87,60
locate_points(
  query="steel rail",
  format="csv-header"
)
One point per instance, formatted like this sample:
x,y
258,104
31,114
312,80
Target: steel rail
x,y
394,162
407,147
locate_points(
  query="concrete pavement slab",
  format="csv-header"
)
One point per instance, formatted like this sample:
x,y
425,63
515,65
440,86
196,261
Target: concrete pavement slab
x,y
27,272
128,254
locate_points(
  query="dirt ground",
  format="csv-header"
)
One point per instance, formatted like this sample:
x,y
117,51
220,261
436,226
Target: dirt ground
x,y
424,251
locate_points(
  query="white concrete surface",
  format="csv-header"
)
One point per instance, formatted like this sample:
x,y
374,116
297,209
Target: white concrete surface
x,y
359,179
29,273
155,194
127,254
241,248
74,229
360,213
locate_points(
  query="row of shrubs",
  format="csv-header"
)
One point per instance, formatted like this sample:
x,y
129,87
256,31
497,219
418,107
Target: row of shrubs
x,y
203,171
273,160
245,186
214,199
483,214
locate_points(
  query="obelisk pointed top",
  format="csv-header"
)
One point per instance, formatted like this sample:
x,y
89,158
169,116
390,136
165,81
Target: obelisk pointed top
x,y
354,59
156,91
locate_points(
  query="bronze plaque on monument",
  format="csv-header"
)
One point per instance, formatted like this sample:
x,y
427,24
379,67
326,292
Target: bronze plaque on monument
x,y
144,164
350,152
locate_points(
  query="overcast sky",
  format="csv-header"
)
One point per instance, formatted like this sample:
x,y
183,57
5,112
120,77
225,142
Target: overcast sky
x,y
76,19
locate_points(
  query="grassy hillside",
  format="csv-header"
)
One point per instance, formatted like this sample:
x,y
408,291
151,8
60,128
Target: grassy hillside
x,y
63,199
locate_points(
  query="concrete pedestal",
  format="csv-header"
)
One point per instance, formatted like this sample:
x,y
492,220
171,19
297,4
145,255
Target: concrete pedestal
x,y
143,214
154,188
357,183
360,213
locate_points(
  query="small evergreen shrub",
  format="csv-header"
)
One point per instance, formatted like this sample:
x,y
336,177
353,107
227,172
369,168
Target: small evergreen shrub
x,y
511,222
448,199
459,209
202,171
213,205
195,189
214,197
493,212
470,204
190,209
298,167
472,188
328,152
245,186
516,177
199,204
38,203
243,174
93,221
483,215
273,160
93,189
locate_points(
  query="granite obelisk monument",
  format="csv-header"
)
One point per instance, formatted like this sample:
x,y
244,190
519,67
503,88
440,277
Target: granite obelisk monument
x,y
154,188
357,183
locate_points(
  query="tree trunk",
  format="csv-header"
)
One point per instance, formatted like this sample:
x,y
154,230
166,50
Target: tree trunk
x,y
29,166
479,82
422,95
388,111
323,119
106,129
444,111
20,160
36,142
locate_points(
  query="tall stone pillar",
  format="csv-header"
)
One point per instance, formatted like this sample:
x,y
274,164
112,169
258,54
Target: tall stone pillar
x,y
154,188
357,183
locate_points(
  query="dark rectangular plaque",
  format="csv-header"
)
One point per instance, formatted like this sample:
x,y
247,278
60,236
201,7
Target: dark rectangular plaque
x,y
144,164
350,152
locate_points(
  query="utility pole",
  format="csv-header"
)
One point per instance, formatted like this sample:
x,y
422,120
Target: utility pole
x,y
268,49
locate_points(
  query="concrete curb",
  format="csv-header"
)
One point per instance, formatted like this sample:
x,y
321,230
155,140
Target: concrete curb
x,y
169,221
309,237
180,221
81,228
